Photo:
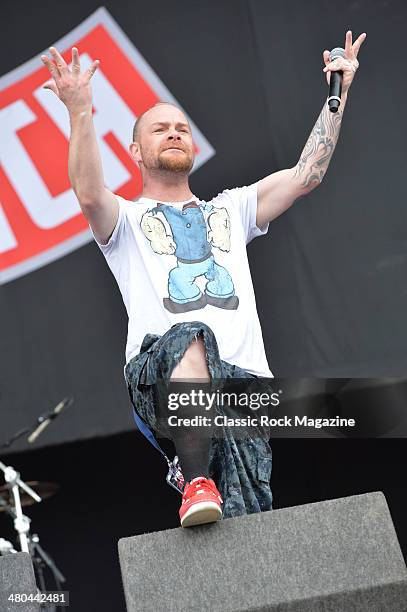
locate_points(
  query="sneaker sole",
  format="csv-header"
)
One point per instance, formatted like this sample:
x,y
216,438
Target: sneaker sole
x,y
201,513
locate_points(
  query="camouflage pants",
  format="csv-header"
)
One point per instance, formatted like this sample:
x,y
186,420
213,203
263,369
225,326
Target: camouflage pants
x,y
241,468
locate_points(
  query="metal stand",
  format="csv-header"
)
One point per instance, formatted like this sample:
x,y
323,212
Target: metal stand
x,y
28,543
21,522
41,560
39,555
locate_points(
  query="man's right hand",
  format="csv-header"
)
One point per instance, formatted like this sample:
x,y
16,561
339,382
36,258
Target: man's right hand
x,y
71,86
99,205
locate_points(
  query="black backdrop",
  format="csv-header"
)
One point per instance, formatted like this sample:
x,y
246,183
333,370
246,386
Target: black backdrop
x,y
329,276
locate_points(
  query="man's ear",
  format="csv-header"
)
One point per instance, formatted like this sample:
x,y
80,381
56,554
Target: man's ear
x,y
134,149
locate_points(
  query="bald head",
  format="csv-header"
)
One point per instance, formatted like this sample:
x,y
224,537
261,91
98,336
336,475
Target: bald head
x,y
141,120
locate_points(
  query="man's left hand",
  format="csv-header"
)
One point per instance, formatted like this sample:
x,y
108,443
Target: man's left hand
x,y
348,64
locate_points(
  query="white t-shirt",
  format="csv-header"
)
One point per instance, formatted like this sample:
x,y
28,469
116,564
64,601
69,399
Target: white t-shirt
x,y
166,256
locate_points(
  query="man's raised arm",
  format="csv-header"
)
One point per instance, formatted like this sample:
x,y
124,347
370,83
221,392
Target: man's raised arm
x,y
98,204
278,191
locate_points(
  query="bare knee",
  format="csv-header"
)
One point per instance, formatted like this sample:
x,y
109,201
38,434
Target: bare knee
x,y
193,363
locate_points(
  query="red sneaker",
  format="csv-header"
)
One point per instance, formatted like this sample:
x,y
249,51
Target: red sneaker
x,y
201,502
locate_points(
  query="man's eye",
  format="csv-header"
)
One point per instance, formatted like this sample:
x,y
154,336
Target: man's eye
x,y
159,130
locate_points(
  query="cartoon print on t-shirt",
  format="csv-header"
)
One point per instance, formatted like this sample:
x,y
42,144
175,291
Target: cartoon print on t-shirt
x,y
191,242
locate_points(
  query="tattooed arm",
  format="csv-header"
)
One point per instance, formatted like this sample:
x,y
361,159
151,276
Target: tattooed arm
x,y
317,153
278,191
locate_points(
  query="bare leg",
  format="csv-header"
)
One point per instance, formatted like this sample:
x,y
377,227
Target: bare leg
x,y
193,363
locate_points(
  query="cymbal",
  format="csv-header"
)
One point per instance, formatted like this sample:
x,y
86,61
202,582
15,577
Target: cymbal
x,y
43,489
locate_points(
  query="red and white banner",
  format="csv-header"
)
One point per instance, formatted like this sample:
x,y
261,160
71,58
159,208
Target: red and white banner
x,y
40,218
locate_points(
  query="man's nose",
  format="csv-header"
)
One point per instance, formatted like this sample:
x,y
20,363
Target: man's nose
x,y
174,135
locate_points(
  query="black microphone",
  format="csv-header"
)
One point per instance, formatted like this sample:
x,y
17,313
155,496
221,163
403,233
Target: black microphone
x,y
335,83
46,419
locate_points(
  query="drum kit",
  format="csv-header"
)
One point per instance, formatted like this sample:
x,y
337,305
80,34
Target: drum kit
x,y
16,495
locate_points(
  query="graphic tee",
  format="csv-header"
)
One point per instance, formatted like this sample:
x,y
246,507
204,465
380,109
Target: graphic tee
x,y
187,261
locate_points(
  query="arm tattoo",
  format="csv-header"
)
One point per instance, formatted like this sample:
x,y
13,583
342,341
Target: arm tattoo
x,y
319,148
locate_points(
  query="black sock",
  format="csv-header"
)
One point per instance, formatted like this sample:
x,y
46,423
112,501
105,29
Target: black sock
x,y
193,454
192,443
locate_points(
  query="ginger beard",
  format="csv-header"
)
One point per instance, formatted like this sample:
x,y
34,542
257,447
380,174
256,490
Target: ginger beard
x,y
179,161
175,161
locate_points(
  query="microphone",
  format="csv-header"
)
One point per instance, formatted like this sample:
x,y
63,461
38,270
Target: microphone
x,y
46,419
335,83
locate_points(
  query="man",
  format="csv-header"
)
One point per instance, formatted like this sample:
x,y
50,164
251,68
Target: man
x,y
182,269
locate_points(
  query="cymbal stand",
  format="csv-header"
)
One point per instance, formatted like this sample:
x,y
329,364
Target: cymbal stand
x,y
21,522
